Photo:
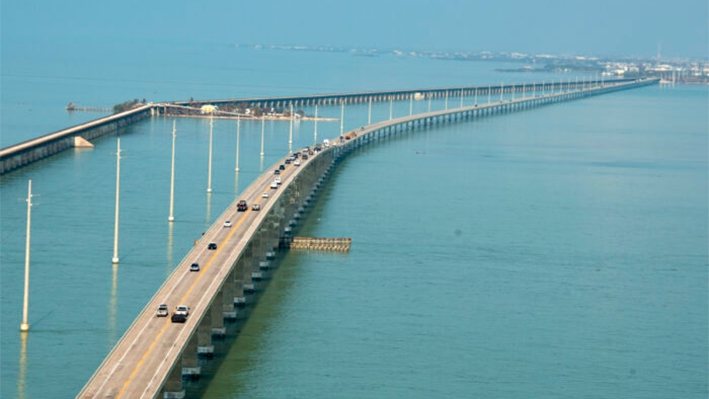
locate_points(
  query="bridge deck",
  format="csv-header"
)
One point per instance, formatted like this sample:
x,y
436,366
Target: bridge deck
x,y
141,360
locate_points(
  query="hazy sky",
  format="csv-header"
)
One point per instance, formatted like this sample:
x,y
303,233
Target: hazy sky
x,y
600,27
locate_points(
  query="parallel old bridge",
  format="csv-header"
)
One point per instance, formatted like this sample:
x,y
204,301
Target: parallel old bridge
x,y
27,152
155,355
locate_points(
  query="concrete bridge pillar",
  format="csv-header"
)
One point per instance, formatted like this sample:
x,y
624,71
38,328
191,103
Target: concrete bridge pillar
x,y
274,232
264,263
261,241
238,281
254,270
204,336
274,235
248,258
190,362
274,228
227,299
173,385
217,317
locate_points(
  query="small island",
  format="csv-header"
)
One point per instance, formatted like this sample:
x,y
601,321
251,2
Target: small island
x,y
238,111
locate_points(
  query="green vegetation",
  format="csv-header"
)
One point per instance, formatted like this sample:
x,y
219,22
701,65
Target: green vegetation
x,y
127,105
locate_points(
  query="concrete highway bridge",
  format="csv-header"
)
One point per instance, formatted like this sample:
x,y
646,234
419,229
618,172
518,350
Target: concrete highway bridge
x,y
27,152
453,93
155,355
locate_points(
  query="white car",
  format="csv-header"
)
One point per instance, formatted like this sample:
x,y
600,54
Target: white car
x,y
274,185
162,310
264,195
227,223
182,309
296,162
278,180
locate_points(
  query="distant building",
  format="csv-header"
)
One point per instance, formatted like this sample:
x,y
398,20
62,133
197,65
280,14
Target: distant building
x,y
208,109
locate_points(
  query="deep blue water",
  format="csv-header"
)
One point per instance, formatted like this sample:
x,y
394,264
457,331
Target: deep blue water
x,y
555,252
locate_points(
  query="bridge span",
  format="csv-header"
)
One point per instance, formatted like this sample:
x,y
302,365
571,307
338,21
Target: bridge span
x,y
452,92
155,355
22,154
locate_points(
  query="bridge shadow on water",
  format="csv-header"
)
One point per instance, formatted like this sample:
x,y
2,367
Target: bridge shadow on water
x,y
241,335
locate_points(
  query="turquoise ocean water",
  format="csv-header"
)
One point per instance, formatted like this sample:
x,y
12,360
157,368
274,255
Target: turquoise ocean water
x,y
555,252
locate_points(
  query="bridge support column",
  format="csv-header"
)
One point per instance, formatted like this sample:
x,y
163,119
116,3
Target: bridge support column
x,y
272,232
217,317
227,299
238,282
173,385
248,258
258,255
190,362
275,231
269,234
266,262
204,336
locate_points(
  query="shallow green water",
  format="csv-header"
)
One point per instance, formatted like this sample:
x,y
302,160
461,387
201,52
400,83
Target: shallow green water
x,y
560,252
556,252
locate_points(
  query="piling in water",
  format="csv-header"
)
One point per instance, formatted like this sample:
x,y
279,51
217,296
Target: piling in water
x,y
320,244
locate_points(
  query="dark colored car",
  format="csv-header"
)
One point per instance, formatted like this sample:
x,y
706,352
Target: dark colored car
x,y
212,245
282,167
242,206
288,161
277,172
178,318
194,267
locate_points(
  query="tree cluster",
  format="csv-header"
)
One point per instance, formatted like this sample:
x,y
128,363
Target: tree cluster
x,y
128,105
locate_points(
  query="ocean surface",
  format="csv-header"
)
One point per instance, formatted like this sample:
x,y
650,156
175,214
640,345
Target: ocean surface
x,y
556,252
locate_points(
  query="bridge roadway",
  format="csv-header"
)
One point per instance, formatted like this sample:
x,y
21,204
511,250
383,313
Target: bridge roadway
x,y
30,151
396,95
147,358
140,362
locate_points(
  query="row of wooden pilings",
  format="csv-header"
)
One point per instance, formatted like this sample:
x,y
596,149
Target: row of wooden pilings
x,y
321,244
